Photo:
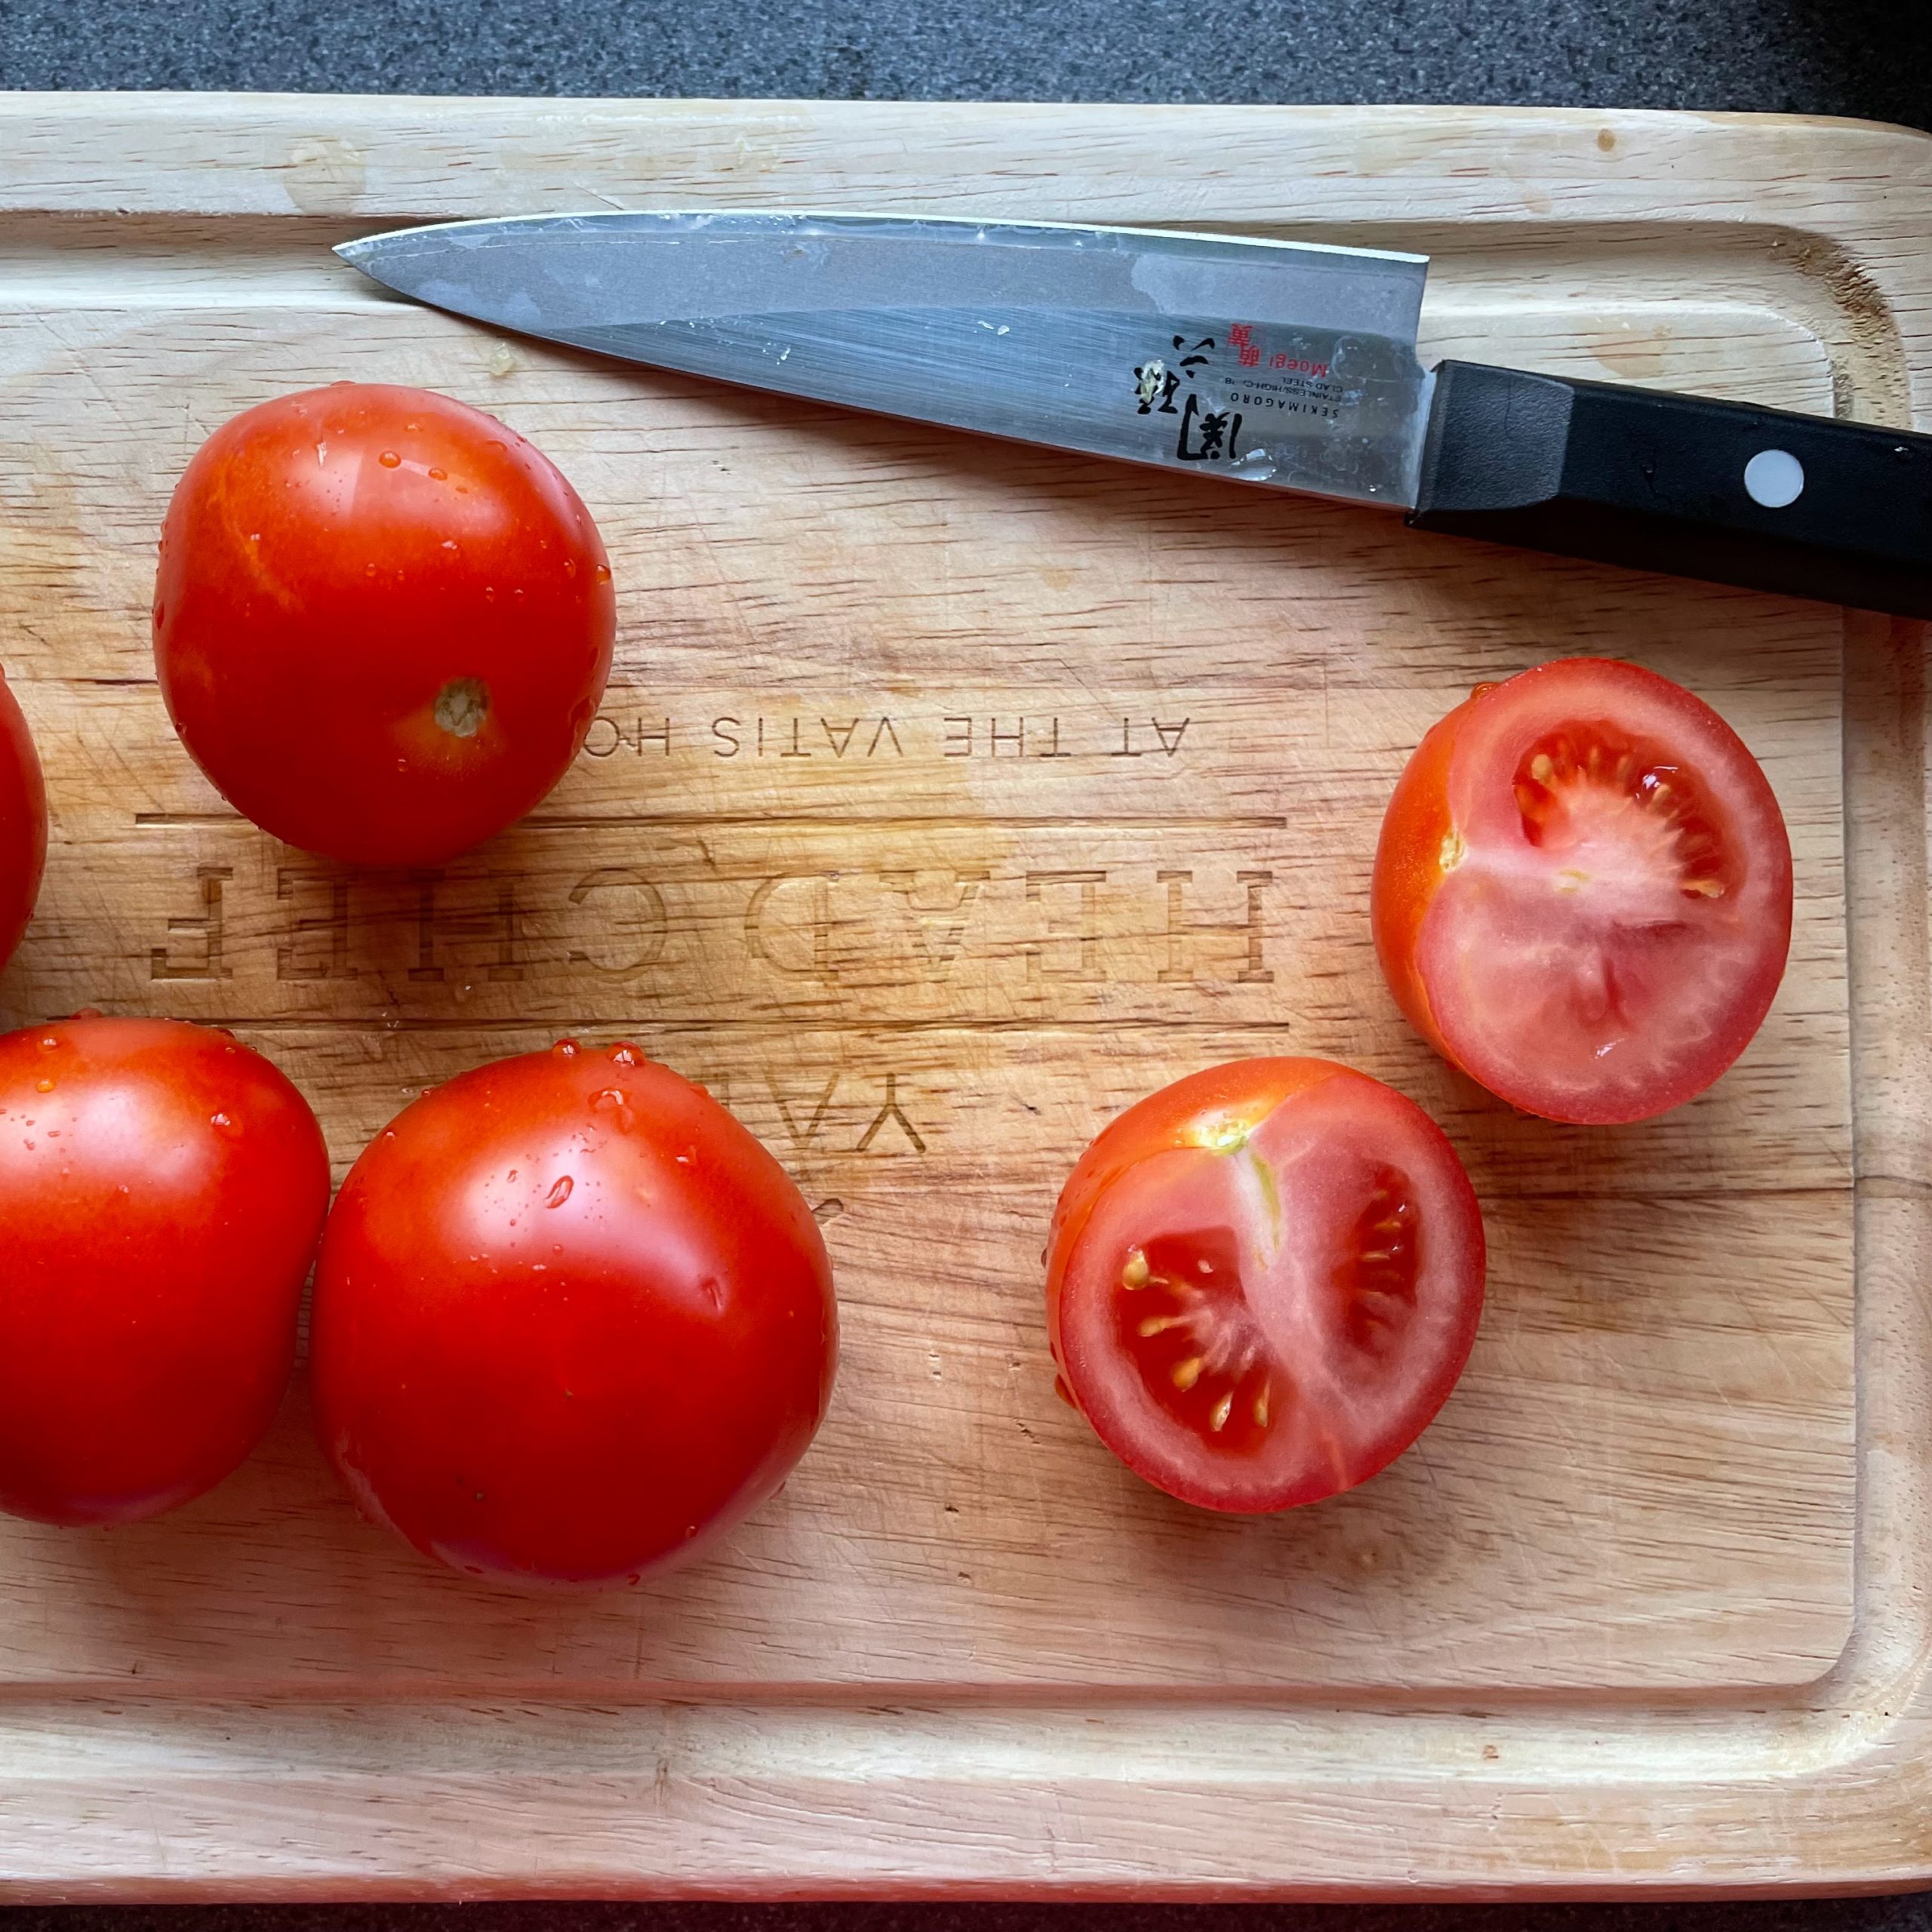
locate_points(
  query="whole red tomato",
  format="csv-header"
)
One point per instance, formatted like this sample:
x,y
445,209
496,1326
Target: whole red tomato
x,y
22,824
161,1189
1582,893
570,1321
383,621
1263,1281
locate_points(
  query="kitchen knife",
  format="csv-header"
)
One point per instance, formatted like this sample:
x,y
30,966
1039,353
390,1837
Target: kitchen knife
x,y
1289,365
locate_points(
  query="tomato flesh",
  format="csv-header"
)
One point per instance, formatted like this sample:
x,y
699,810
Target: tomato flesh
x,y
571,1320
1264,1282
383,621
161,1189
22,824
1583,893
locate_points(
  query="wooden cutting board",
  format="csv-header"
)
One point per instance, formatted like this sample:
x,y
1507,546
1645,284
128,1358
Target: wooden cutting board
x,y
949,796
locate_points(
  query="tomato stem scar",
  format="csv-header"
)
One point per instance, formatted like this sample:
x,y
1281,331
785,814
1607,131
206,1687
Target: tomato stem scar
x,y
462,705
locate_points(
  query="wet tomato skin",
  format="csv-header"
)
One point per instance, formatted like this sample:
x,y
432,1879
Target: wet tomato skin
x,y
1349,1361
571,1320
383,621
1686,978
22,824
162,1191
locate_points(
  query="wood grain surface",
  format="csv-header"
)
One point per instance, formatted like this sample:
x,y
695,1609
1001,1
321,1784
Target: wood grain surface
x,y
948,797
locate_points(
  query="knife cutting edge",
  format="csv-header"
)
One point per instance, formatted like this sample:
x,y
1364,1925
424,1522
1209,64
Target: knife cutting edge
x,y
1288,365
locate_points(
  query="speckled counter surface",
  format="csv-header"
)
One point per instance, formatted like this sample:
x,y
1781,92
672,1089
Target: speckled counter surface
x,y
1868,58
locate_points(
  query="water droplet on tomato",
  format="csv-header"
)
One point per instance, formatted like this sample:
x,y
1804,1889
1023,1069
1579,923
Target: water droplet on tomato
x,y
48,1042
560,1192
221,1123
570,567
603,573
402,764
254,536
511,1175
369,570
44,1086
566,1049
439,476
449,542
493,445
388,459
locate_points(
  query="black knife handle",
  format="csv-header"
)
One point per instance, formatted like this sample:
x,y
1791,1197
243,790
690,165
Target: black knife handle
x,y
1681,484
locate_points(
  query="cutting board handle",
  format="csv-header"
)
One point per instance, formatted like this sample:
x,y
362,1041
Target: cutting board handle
x,y
1802,505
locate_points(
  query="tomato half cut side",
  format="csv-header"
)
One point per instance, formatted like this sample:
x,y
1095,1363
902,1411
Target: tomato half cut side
x,y
1263,1281
1582,893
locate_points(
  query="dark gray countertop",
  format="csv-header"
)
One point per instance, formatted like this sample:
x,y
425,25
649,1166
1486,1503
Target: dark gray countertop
x,y
1869,58
1866,58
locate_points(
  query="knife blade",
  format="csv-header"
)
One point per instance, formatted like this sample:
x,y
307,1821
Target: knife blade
x,y
1287,365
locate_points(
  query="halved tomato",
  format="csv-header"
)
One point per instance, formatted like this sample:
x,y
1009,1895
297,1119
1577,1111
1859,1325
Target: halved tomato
x,y
1263,1281
1582,893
